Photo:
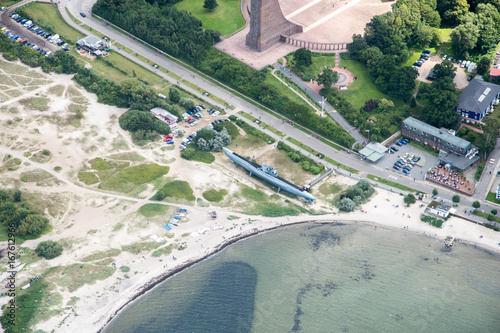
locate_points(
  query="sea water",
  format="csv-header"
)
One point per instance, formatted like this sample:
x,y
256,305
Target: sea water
x,y
327,278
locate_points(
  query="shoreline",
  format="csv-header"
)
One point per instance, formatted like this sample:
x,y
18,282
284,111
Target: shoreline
x,y
152,283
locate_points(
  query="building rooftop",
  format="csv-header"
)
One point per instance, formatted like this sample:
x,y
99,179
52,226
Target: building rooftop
x,y
439,206
373,151
92,41
164,113
442,134
457,161
478,95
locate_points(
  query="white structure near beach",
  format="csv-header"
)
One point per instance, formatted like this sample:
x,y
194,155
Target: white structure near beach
x,y
439,209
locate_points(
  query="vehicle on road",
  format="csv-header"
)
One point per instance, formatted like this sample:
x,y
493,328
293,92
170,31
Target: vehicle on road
x,y
83,15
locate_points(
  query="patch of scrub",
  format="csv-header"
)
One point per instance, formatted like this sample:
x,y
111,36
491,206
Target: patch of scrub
x,y
151,209
76,276
35,176
213,195
101,255
88,178
130,178
36,103
175,189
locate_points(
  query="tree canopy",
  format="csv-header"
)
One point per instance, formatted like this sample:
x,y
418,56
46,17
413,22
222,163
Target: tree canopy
x,y
302,57
328,77
49,249
210,4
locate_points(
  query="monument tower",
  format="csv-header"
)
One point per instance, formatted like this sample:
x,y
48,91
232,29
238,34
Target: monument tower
x,y
267,24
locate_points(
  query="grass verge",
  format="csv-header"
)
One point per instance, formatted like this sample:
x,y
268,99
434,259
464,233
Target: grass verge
x,y
129,178
151,209
390,183
340,165
175,189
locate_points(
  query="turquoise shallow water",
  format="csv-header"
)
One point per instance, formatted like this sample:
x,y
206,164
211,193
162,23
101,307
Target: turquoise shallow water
x,y
328,278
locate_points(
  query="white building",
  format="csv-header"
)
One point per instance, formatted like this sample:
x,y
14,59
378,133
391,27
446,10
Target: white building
x,y
165,116
439,209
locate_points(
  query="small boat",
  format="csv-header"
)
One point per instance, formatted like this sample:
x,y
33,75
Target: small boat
x,y
170,142
175,224
166,226
177,217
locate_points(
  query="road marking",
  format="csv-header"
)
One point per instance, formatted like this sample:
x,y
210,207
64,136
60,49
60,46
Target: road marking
x,y
392,177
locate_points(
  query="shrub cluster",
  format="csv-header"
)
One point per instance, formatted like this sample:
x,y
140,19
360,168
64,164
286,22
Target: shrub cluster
x,y
13,211
253,131
308,164
49,249
355,195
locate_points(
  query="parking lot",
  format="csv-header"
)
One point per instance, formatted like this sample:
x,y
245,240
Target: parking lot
x,y
426,162
18,29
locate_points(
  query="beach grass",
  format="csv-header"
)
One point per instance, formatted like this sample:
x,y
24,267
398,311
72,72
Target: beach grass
x,y
75,276
253,194
88,178
99,163
101,255
434,221
130,178
226,18
175,189
152,209
213,195
139,247
271,209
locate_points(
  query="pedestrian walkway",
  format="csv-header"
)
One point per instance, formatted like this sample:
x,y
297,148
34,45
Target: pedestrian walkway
x,y
318,98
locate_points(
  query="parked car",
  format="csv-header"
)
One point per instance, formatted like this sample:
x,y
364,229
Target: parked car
x,y
470,78
396,167
444,58
83,15
427,51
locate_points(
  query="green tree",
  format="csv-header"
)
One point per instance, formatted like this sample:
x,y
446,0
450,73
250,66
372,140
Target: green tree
x,y
302,57
210,4
187,103
464,38
17,196
435,191
491,217
490,136
402,83
49,249
483,66
494,211
33,224
346,205
452,11
456,198
476,204
410,199
173,95
327,78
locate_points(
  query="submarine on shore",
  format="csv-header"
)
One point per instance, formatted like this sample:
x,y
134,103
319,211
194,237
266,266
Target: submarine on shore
x,y
268,174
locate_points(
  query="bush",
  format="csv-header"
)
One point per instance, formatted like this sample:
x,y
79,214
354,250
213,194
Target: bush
x,y
410,199
435,191
346,205
479,171
49,249
456,198
214,195
125,269
494,211
476,204
491,217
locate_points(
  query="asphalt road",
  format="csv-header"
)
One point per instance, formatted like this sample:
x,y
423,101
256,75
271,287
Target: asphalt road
x,y
77,6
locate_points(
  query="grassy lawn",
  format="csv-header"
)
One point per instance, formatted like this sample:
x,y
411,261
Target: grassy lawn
x,y
8,3
226,17
284,90
363,88
393,184
492,198
340,165
48,16
426,148
444,34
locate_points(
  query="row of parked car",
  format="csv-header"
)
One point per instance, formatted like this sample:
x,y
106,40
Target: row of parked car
x,y
28,24
406,163
402,142
190,137
423,58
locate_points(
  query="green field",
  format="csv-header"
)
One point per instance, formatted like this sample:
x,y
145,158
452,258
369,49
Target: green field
x,y
363,88
283,90
48,16
226,17
8,3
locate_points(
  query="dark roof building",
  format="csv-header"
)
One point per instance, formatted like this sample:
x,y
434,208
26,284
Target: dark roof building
x,y
477,99
457,152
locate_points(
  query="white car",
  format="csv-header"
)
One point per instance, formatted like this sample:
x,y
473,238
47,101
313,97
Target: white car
x,y
215,114
492,161
444,58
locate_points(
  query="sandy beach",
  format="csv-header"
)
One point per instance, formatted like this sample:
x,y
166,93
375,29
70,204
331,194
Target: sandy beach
x,y
89,220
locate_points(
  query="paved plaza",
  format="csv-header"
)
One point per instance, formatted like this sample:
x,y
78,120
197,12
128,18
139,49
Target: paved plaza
x,y
323,21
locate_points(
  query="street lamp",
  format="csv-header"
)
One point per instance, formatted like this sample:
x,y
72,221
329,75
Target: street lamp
x,y
323,100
